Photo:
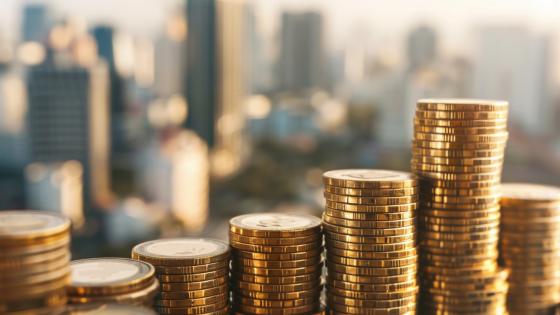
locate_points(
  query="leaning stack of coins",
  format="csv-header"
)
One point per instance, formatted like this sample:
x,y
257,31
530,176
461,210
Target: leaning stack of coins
x,y
34,261
276,263
530,247
193,273
112,280
370,234
457,153
106,309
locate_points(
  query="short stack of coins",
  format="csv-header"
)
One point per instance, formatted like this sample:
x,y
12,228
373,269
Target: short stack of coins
x,y
106,309
34,261
193,273
112,280
276,263
530,247
457,153
370,236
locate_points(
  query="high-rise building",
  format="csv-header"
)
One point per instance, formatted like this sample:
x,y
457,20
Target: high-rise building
x,y
513,63
302,62
216,78
421,47
169,51
35,23
69,120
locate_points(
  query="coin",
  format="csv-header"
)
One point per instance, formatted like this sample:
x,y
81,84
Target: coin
x,y
348,215
395,192
461,105
377,201
194,277
368,178
369,232
372,255
30,226
458,153
275,225
194,294
370,208
452,145
106,309
142,296
192,286
246,255
312,293
181,251
472,123
369,224
216,299
274,241
180,270
418,127
371,271
282,272
247,309
370,243
276,279
210,308
461,115
276,249
462,161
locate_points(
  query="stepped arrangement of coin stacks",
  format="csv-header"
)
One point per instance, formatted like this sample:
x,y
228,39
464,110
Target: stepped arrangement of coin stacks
x,y
112,280
193,273
276,263
530,247
106,309
34,261
370,236
457,153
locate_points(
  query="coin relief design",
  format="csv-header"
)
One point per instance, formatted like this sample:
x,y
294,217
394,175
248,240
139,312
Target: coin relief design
x,y
183,248
17,222
372,175
271,221
99,272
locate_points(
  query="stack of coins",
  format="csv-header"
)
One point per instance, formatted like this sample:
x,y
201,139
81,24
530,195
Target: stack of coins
x,y
530,247
106,309
370,234
276,263
457,153
112,280
193,273
34,261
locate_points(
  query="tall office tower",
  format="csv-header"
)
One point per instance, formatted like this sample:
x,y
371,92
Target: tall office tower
x,y
104,37
169,51
302,61
514,63
216,77
421,47
69,120
35,23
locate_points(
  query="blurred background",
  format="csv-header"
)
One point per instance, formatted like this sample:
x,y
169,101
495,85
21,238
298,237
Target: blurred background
x,y
145,119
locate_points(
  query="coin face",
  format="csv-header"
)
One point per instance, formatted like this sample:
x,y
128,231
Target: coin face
x,y
108,271
182,248
530,192
275,222
371,176
29,224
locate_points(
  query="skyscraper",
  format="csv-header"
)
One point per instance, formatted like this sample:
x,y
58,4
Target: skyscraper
x,y
421,47
68,120
34,23
513,63
301,63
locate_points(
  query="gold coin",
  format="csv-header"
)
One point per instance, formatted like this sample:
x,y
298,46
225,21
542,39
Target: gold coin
x,y
180,270
543,227
192,286
37,289
333,246
274,241
101,276
368,224
275,225
462,161
416,165
195,277
276,288
276,303
311,254
371,255
458,154
280,264
216,299
373,209
15,282
33,269
369,178
26,261
276,249
461,115
312,293
395,192
451,260
287,272
378,287
492,276
107,309
442,228
376,201
408,292
468,244
459,210
50,299
483,138
194,294
429,220
369,232
461,105
195,310
59,243
462,192
370,271
359,310
305,309
371,303
520,193
447,145
276,280
30,226
479,249
457,271
374,263
460,176
459,130
372,279
454,123
369,216
484,200
374,243
145,294
181,251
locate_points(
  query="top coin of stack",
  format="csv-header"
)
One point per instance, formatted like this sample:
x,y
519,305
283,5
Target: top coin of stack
x,y
276,263
112,280
34,261
370,233
457,153
106,309
530,246
193,273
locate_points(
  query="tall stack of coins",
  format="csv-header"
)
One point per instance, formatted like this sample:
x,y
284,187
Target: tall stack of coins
x,y
193,273
457,153
107,309
276,263
530,247
34,261
112,280
370,234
